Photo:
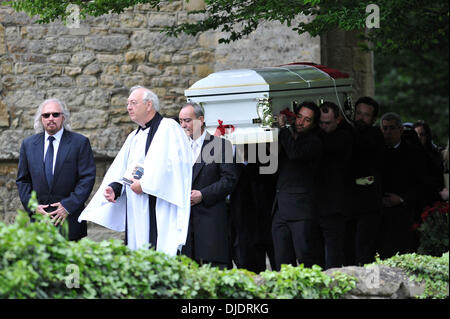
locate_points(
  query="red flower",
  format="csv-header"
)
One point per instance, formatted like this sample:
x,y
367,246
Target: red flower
x,y
222,129
288,113
425,214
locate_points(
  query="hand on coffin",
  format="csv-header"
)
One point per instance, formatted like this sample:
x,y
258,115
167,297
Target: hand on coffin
x,y
281,120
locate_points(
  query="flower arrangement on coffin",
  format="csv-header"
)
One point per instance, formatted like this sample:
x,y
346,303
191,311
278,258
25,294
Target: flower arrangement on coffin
x,y
433,230
264,110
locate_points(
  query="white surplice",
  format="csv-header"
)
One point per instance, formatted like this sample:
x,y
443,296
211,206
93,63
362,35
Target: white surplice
x,y
138,217
167,176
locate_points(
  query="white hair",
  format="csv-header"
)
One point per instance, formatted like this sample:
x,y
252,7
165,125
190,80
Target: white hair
x,y
38,127
148,96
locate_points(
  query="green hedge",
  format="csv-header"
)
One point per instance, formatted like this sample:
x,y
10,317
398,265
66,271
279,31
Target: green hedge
x,y
37,262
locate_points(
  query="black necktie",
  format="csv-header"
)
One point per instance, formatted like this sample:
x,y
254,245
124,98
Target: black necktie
x,y
48,162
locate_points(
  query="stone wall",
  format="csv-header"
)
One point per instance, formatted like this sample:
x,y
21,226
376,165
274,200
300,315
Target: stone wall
x,y
381,282
91,69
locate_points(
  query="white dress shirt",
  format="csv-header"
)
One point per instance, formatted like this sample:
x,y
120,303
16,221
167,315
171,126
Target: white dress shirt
x,y
196,146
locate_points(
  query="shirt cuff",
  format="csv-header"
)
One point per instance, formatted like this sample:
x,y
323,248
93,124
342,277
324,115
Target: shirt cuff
x,y
117,188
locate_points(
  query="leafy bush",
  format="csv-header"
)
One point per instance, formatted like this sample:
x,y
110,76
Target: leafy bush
x,y
305,283
434,230
433,270
38,262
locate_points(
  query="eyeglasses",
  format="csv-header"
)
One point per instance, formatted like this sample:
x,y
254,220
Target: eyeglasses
x,y
133,103
47,115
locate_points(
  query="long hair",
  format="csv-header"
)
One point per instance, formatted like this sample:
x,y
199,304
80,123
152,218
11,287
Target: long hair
x,y
428,137
65,112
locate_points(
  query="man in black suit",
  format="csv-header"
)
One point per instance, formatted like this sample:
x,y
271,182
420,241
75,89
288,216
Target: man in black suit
x,y
300,153
403,180
59,165
214,176
333,173
251,214
363,188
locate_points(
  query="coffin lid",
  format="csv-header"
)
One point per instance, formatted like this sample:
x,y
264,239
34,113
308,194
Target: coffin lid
x,y
284,77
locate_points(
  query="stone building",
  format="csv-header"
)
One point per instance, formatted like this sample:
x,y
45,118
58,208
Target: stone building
x,y
92,67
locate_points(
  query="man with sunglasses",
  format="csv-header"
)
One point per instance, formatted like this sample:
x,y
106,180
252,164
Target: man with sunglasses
x,y
59,165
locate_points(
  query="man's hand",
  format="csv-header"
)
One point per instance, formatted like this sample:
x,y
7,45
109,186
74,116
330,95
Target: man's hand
x,y
136,186
196,197
281,120
392,200
109,194
59,215
41,209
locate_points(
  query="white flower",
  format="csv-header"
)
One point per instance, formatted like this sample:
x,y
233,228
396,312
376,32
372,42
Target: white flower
x,y
264,109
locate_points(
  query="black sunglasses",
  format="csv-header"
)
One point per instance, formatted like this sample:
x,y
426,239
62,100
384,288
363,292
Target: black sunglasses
x,y
47,115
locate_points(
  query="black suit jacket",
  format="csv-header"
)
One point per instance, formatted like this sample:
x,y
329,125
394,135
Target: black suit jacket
x,y
334,172
404,174
74,176
298,163
367,160
215,178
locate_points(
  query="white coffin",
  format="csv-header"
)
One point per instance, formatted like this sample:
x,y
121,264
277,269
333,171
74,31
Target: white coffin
x,y
231,96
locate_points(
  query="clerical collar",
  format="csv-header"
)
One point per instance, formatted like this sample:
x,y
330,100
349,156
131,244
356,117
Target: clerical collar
x,y
150,123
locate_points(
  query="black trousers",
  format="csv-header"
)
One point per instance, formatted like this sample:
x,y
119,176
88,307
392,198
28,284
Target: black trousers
x,y
332,228
189,251
248,250
292,241
395,235
361,236
253,256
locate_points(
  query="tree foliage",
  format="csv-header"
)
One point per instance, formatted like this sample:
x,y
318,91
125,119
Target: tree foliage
x,y
411,42
415,85
404,24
